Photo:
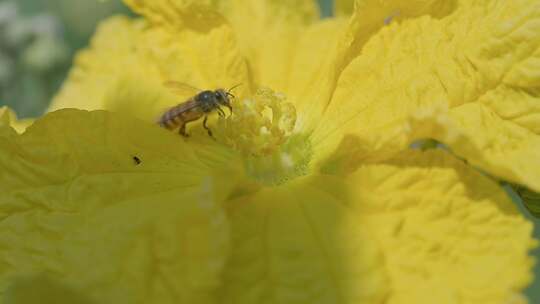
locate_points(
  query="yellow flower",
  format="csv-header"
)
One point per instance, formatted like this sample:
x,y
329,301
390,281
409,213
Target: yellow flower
x,y
309,193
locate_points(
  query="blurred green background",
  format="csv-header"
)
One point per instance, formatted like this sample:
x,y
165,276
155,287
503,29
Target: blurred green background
x,y
37,43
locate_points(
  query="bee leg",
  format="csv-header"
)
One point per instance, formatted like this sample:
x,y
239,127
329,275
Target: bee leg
x,y
206,127
220,112
182,131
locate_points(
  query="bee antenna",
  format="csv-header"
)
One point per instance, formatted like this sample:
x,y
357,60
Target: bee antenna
x,y
234,87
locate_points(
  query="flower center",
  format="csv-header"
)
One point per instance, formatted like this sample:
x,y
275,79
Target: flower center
x,y
261,128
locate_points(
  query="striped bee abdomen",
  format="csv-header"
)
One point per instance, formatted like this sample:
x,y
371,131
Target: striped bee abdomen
x,y
180,114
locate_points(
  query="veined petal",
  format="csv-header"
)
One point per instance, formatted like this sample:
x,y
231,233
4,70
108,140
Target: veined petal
x,y
308,86
369,16
166,12
195,46
299,244
447,232
242,13
268,32
97,71
108,208
391,9
270,12
474,90
189,41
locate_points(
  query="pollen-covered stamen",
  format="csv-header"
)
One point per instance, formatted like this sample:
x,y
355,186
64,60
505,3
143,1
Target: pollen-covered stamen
x,y
262,130
260,124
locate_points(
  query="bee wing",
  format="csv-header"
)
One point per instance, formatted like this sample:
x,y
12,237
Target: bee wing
x,y
186,106
182,89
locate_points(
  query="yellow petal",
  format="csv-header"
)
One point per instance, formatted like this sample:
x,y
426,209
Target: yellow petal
x,y
129,61
447,79
298,244
112,74
347,42
394,8
369,16
9,118
166,12
448,233
43,290
268,32
191,42
97,70
308,85
343,7
112,209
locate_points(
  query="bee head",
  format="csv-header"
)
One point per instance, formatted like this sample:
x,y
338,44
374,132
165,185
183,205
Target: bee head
x,y
224,97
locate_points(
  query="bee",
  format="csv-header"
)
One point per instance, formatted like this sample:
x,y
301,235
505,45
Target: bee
x,y
202,104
